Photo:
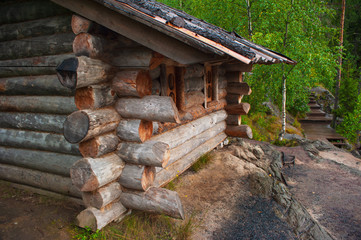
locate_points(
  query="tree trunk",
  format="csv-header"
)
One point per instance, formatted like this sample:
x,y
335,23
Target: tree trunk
x,y
99,145
94,96
89,174
135,130
240,109
249,15
137,177
243,131
85,124
133,83
155,200
102,196
149,153
240,88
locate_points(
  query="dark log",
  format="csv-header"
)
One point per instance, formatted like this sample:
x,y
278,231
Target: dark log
x,y
234,120
94,96
34,178
222,82
82,71
194,71
238,67
234,77
89,174
156,89
32,121
137,177
85,124
33,85
234,99
239,109
243,131
37,46
183,133
99,145
136,83
43,65
96,219
155,200
166,175
39,104
80,24
135,130
38,160
240,88
222,93
29,10
154,73
151,108
35,28
37,140
102,196
193,99
149,153
193,84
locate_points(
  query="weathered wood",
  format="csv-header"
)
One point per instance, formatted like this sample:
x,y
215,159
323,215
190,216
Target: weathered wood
x,y
185,148
137,177
102,196
234,77
97,219
99,145
134,130
155,73
39,104
134,57
29,10
166,175
156,89
192,113
32,121
240,88
34,178
55,163
83,71
151,108
94,96
37,140
148,153
89,174
234,99
243,131
216,105
43,65
80,24
35,28
222,93
33,85
241,109
183,133
193,84
37,46
155,200
194,71
193,99
238,67
85,124
234,120
222,82
133,83
89,45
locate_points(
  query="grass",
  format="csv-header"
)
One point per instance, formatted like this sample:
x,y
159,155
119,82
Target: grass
x,y
285,143
201,162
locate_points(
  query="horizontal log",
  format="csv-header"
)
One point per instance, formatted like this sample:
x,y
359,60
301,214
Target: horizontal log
x,y
216,105
102,196
89,45
132,83
82,71
240,88
86,124
137,177
32,121
99,145
183,133
234,99
234,120
155,200
33,85
37,46
38,104
89,174
35,28
193,113
149,153
94,96
43,65
37,140
134,130
238,67
243,131
222,82
193,98
50,162
96,219
234,77
151,108
166,175
241,109
222,93
154,73
135,57
29,10
195,70
39,179
193,84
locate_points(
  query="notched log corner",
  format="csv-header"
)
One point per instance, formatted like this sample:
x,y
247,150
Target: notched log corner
x,y
67,72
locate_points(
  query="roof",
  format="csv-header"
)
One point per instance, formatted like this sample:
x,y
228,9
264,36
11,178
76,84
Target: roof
x,y
195,32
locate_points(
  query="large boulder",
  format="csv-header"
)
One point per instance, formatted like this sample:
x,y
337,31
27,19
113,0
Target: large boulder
x,y
273,110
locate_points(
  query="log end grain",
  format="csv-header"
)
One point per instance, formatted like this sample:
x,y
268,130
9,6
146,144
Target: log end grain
x,y
80,24
87,45
76,127
145,130
162,149
148,177
83,176
67,72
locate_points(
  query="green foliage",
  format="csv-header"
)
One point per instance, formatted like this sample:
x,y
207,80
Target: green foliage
x,y
87,234
351,125
285,143
201,162
264,127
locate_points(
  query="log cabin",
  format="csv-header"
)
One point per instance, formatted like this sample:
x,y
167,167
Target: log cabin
x,y
107,101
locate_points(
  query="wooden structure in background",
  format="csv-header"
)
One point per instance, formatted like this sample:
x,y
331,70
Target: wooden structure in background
x,y
110,109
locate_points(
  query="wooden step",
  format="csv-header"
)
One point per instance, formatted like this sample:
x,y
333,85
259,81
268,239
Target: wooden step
x,y
339,144
316,114
315,120
312,102
314,106
330,139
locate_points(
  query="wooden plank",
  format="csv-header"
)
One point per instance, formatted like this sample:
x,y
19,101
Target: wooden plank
x,y
49,162
38,104
38,179
168,174
37,140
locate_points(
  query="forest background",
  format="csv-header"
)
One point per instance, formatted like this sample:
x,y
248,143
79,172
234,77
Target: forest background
x,y
308,31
